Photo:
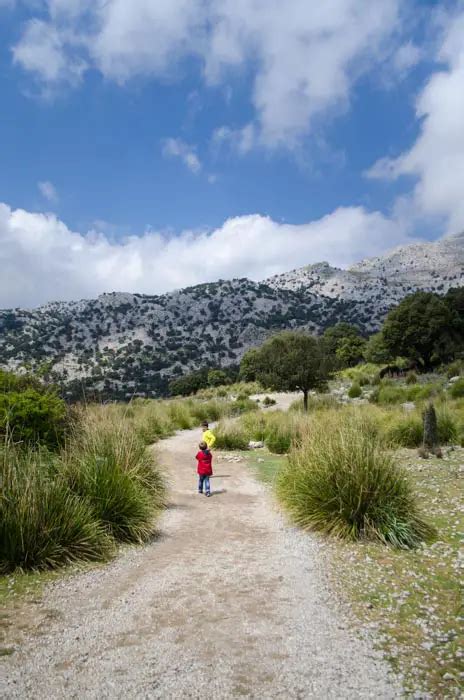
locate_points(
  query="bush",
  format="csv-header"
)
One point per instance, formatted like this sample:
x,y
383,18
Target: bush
x,y
406,431
454,369
231,436
411,378
354,391
267,401
448,429
110,468
456,390
33,416
279,441
341,481
42,523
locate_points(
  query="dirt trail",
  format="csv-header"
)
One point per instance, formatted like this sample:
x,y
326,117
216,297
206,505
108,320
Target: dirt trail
x,y
227,602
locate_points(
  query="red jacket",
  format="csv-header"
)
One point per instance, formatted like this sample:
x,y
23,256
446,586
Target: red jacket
x,y
205,463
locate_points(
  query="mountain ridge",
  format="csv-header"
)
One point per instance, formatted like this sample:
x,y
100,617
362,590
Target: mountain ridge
x,y
122,344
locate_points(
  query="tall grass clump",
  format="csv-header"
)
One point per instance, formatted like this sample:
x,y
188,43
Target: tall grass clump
x,y
43,524
456,390
109,467
355,391
231,436
342,482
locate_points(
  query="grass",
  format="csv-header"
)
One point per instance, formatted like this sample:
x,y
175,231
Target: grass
x,y
278,430
43,524
341,480
413,599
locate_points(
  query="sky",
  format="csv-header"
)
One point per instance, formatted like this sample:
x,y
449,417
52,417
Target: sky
x,y
147,145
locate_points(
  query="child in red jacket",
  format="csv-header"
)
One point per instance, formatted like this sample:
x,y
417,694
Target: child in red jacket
x,y
205,468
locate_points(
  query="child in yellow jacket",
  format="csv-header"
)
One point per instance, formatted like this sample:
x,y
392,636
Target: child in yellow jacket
x,y
208,436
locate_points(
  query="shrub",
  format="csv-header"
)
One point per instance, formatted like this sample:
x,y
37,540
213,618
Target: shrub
x,y
32,416
341,481
244,406
448,429
178,412
456,390
279,441
354,391
42,523
406,431
411,378
231,436
110,467
454,369
267,401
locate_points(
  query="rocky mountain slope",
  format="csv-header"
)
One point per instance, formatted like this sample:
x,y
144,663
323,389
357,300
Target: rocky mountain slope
x,y
130,344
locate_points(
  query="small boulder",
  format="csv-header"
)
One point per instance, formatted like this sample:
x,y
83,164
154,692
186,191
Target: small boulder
x,y
255,444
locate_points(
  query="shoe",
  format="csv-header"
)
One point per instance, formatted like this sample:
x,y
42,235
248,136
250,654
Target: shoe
x,y
207,494
200,493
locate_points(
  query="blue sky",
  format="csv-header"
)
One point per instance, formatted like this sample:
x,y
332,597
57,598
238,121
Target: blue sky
x,y
148,144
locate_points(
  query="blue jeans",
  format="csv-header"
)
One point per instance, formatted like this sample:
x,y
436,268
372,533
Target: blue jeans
x,y
203,480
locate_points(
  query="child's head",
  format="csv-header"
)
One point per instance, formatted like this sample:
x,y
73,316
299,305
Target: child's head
x,y
204,424
203,446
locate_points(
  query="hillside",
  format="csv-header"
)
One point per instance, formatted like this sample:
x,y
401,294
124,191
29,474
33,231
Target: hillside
x,y
124,344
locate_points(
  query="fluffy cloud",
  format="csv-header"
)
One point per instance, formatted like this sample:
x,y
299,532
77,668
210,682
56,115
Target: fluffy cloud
x,y
176,148
48,190
305,56
436,159
43,260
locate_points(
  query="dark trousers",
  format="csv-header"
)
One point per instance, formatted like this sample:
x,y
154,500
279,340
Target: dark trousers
x,y
202,479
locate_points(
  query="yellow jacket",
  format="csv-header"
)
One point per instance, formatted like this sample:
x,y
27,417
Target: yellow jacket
x,y
209,438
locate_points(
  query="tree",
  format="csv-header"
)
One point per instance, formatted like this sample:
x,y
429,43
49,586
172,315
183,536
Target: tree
x,y
423,328
350,351
189,383
376,350
217,377
345,342
289,361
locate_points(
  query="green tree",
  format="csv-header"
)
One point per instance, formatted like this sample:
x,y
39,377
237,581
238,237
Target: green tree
x,y
376,350
289,361
350,351
189,383
217,377
423,328
345,342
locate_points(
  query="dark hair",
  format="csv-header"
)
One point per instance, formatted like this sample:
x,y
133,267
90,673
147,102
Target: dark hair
x,y
204,423
203,446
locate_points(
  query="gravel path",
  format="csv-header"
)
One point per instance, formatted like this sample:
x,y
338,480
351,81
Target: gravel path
x,y
228,602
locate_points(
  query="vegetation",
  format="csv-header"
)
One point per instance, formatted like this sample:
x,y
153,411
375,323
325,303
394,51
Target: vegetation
x,y
289,361
426,328
355,391
43,524
31,412
344,342
412,599
340,480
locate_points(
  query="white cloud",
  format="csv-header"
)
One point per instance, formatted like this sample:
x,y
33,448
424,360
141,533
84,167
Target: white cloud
x,y
305,56
241,140
436,159
48,190
43,260
176,148
47,52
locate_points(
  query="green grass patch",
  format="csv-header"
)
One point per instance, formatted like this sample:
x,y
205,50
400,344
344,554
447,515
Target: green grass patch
x,y
340,480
